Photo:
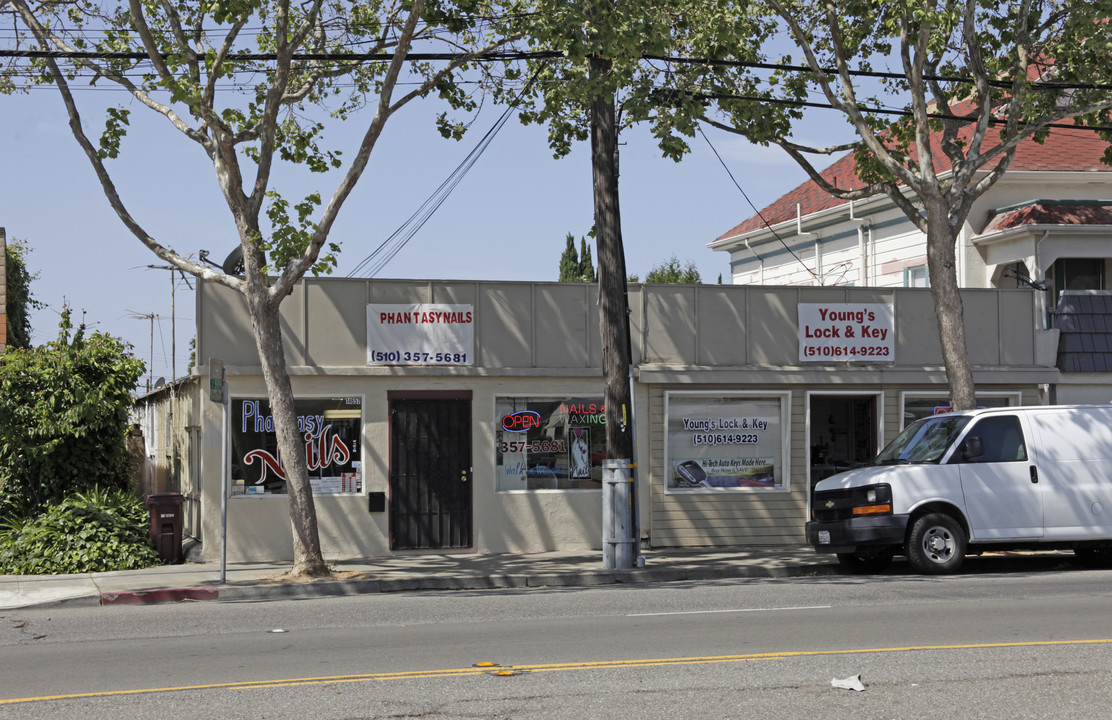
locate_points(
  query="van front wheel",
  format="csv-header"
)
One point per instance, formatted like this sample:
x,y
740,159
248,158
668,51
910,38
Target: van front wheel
x,y
936,544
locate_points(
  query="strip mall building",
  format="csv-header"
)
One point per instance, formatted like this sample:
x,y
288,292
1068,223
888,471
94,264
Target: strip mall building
x,y
453,415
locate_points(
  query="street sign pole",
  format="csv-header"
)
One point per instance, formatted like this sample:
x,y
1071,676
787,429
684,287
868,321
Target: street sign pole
x,y
218,392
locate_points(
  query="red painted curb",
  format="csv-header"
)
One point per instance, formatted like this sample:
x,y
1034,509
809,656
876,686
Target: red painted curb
x,y
150,597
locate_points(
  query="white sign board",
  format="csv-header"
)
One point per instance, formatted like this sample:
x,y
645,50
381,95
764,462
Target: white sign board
x,y
421,334
847,332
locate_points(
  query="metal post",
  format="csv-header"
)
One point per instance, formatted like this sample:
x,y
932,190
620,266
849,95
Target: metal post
x,y
635,490
617,526
224,484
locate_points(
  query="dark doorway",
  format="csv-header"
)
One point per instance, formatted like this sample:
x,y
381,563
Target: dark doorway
x,y
430,473
843,433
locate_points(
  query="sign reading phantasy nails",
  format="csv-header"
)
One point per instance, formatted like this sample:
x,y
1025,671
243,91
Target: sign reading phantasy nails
x,y
731,441
421,334
330,428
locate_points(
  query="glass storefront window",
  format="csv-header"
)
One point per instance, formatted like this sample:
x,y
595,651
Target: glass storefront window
x,y
917,406
331,430
549,443
725,442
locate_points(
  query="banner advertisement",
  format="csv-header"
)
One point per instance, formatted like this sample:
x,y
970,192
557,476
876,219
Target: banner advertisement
x,y
420,334
549,443
731,442
331,430
847,332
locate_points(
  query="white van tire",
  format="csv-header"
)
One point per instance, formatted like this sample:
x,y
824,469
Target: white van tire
x,y
936,544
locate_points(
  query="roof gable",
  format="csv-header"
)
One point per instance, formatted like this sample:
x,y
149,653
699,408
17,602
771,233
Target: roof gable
x,y
1065,150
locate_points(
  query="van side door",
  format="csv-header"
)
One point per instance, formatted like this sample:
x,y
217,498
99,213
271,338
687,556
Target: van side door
x,y
1074,455
1003,498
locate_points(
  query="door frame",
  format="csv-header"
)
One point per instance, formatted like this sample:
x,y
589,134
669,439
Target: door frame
x,y
878,404
452,395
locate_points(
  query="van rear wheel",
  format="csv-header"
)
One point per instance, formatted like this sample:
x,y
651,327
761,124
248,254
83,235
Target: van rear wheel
x,y
936,544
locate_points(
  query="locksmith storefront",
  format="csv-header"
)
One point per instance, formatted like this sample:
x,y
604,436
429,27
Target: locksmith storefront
x,y
452,415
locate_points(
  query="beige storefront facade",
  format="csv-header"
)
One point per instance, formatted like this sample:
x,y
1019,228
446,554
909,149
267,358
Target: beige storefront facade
x,y
467,416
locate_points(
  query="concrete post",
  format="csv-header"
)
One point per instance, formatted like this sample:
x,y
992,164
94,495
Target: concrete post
x,y
617,516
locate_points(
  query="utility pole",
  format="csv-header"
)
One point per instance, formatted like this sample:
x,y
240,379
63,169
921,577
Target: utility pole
x,y
619,537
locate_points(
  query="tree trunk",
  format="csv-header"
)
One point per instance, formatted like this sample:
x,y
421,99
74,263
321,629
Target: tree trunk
x,y
307,558
942,266
613,304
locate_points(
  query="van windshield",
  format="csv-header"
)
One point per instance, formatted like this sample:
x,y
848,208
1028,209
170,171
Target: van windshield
x,y
923,441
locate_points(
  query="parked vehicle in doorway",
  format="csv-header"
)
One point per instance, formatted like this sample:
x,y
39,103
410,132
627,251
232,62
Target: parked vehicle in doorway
x,y
968,482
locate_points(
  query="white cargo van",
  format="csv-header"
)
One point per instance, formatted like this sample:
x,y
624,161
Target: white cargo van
x,y
966,482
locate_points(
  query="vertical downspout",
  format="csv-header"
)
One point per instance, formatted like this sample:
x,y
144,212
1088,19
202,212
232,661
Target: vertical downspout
x,y
760,262
818,249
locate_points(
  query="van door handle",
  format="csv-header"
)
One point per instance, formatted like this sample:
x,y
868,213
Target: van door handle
x,y
1034,474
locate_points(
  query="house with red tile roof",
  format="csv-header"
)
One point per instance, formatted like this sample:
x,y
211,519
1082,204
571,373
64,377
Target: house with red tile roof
x,y
1047,223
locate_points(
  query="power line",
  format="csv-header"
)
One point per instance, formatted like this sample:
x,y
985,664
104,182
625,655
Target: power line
x,y
392,245
757,210
503,56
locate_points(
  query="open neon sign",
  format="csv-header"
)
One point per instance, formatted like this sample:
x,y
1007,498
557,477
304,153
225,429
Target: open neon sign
x,y
521,421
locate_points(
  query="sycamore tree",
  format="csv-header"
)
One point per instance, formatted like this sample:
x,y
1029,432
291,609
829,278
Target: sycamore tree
x,y
938,94
302,66
602,81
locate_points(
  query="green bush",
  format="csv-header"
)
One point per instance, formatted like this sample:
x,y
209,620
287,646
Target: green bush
x,y
94,531
64,417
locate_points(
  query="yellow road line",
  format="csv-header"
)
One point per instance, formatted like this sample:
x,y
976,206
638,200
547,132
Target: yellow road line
x,y
550,667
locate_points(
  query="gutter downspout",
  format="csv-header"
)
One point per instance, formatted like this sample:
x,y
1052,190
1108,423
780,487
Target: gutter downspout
x,y
760,261
862,245
809,235
1042,303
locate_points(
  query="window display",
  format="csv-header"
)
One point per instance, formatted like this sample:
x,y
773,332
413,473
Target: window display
x,y
718,442
330,428
552,443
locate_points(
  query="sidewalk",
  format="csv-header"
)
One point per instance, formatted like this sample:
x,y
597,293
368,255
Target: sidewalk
x,y
258,581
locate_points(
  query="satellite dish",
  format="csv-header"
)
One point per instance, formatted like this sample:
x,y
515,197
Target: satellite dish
x,y
233,264
159,382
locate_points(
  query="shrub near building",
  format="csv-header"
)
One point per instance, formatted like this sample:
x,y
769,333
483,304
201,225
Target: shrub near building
x,y
64,505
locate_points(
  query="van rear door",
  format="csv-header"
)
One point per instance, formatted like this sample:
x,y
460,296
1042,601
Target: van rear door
x,y
1003,498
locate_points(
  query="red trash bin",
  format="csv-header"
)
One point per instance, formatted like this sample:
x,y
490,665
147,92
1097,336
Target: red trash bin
x,y
165,511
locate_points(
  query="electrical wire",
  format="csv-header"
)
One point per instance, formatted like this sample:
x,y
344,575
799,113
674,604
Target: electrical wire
x,y
757,210
371,265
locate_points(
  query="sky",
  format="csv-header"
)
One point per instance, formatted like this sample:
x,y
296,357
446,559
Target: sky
x,y
507,219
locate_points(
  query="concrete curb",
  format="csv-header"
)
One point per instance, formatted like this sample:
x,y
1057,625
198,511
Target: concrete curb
x,y
259,592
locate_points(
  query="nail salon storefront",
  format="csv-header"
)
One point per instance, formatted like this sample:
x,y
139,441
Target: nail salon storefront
x,y
452,415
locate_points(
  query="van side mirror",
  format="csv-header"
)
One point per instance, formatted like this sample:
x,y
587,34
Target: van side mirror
x,y
972,448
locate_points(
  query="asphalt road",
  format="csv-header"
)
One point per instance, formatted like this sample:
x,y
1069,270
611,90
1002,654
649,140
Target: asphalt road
x,y
1031,643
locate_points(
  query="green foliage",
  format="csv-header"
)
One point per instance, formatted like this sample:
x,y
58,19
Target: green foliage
x,y
577,267
621,34
93,531
20,299
114,132
64,417
671,272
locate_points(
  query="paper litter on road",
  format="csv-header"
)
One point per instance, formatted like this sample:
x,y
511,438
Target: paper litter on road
x,y
853,682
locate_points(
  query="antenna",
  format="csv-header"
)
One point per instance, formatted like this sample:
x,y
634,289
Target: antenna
x,y
151,317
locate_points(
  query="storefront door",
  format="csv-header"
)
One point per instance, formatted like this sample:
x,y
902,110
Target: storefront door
x,y
843,433
430,473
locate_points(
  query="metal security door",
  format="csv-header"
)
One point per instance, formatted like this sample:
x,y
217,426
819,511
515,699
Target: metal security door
x,y
430,473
